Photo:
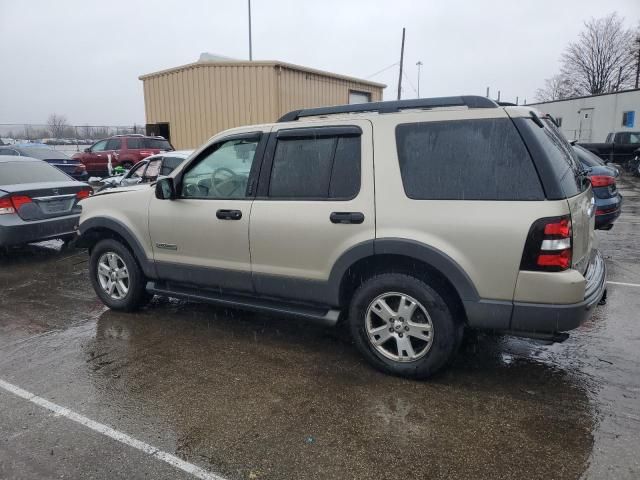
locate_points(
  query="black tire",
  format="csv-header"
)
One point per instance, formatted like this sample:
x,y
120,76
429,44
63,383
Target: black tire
x,y
446,333
136,296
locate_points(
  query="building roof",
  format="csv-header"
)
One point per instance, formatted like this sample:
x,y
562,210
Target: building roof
x,y
587,96
265,63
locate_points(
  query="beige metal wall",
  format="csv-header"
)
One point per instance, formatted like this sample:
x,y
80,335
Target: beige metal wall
x,y
202,99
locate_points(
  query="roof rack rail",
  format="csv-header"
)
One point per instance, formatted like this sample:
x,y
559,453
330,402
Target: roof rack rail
x,y
470,101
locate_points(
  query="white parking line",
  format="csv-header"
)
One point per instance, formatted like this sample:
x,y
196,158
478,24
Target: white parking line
x,y
625,284
110,432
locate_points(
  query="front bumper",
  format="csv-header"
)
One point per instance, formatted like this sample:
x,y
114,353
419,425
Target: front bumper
x,y
552,318
15,231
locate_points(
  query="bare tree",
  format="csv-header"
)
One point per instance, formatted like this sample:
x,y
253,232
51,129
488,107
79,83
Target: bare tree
x,y
602,59
557,87
57,125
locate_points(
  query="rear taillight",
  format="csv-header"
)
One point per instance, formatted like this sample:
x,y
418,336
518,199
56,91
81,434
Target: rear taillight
x,y
548,246
146,153
602,180
6,206
83,194
80,168
19,200
12,204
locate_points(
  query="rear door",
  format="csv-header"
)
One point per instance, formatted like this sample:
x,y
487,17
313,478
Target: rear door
x,y
315,201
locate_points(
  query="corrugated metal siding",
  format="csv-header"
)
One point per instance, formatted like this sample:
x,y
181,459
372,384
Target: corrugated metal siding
x,y
201,100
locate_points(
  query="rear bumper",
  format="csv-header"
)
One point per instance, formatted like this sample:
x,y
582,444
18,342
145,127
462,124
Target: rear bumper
x,y
612,207
551,318
15,231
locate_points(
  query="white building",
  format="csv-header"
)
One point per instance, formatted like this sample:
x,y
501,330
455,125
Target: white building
x,y
590,119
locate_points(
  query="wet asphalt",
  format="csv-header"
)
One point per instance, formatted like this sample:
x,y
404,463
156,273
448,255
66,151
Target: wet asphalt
x,y
247,396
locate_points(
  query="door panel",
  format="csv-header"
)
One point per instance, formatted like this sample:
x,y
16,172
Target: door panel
x,y
296,241
189,241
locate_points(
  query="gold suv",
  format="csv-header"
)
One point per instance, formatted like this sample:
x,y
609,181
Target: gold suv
x,y
409,220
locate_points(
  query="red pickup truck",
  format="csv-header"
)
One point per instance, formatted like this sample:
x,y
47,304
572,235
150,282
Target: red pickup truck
x,y
125,150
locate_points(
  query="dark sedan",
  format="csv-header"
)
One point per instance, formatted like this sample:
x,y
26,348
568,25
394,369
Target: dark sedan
x,y
37,201
603,180
73,168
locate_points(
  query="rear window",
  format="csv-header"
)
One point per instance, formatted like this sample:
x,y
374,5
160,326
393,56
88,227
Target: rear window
x,y
483,159
157,144
587,158
43,153
12,173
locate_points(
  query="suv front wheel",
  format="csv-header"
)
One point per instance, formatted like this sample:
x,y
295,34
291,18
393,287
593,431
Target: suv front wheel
x,y
403,326
116,276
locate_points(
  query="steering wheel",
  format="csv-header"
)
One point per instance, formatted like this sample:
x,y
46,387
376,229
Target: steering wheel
x,y
216,182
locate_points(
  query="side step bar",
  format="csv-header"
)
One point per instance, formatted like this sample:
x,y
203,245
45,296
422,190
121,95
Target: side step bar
x,y
326,317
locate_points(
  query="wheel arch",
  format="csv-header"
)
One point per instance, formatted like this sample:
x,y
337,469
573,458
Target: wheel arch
x,y
97,228
401,256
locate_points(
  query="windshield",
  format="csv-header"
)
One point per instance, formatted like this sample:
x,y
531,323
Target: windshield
x,y
587,158
12,173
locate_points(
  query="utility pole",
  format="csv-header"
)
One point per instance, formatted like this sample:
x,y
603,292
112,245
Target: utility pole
x,y
401,61
250,46
638,62
419,64
487,92
498,95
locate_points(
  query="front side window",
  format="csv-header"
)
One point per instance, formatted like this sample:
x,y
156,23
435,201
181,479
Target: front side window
x,y
101,146
316,168
222,171
482,159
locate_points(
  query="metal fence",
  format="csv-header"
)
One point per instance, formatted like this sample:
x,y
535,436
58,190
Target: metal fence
x,y
63,137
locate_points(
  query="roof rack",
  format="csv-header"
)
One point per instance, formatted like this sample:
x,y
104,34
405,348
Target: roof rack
x,y
470,101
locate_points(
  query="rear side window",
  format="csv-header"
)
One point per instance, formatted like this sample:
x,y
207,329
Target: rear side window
x,y
134,143
157,144
169,164
316,168
483,159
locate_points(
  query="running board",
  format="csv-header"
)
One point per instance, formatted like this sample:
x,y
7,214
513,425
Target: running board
x,y
323,316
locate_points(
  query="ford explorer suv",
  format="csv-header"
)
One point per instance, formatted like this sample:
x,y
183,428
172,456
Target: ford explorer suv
x,y
125,151
407,220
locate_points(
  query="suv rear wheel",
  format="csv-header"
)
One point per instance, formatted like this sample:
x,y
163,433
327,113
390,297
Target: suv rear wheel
x,y
116,276
403,326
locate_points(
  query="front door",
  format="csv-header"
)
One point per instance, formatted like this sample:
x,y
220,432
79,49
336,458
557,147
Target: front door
x,y
202,237
315,202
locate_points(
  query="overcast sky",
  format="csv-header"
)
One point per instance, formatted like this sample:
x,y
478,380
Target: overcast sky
x,y
82,58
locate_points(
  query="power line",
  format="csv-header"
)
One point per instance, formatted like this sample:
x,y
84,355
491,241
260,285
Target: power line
x,y
410,84
380,71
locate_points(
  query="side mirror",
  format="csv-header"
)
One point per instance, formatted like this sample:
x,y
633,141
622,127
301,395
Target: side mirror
x,y
87,150
165,189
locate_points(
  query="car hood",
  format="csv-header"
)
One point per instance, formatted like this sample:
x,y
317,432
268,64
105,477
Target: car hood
x,y
129,188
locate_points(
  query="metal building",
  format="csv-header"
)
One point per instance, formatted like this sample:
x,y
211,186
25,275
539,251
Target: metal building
x,y
591,118
189,104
